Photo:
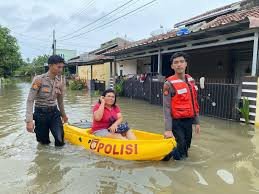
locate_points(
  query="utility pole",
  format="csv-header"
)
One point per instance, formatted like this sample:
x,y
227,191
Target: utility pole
x,y
54,44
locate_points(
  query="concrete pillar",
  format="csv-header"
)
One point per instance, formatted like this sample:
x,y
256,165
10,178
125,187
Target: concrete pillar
x,y
111,69
255,54
159,68
76,69
115,67
91,72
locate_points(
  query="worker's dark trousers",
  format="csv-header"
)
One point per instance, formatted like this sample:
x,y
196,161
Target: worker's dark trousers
x,y
48,119
182,130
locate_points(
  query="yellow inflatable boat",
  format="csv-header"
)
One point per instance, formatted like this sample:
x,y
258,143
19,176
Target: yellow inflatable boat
x,y
148,146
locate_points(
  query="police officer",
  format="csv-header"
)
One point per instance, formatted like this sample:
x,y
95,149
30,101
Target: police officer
x,y
47,91
181,109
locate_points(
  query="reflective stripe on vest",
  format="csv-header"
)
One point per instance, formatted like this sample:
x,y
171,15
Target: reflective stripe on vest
x,y
176,81
190,79
184,103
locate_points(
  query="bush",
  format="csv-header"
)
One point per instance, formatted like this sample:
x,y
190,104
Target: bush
x,y
7,81
76,84
96,93
244,110
118,87
29,70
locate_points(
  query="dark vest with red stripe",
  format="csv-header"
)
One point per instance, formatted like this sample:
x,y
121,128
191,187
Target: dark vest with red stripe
x,y
184,103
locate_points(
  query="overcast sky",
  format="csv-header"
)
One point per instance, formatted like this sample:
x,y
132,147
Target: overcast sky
x,y
32,21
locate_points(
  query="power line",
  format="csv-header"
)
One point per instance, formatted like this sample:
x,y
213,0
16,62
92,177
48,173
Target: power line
x,y
69,19
26,43
81,44
116,14
97,19
30,37
135,10
83,10
107,26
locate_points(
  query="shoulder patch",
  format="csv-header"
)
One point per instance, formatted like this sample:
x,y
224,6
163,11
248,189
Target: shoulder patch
x,y
36,84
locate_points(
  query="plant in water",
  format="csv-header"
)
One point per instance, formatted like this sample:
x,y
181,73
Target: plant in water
x,y
244,110
119,87
96,93
76,85
7,81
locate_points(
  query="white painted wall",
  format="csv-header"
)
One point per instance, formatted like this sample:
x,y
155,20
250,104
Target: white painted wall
x,y
128,67
144,65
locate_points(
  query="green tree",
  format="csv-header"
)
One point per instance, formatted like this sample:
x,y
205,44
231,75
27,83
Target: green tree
x,y
35,67
38,63
10,57
40,60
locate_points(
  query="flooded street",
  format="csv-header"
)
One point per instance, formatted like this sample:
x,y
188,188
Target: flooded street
x,y
223,159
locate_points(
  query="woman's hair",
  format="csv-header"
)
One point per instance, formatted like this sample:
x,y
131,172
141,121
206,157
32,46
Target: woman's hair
x,y
109,91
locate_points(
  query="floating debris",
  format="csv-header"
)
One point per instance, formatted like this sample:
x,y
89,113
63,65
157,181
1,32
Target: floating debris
x,y
226,176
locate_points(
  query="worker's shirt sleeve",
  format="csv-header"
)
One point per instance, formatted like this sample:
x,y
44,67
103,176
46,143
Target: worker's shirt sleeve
x,y
35,87
60,99
167,96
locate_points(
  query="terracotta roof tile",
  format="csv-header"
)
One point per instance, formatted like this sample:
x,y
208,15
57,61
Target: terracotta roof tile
x,y
233,17
145,41
219,21
209,12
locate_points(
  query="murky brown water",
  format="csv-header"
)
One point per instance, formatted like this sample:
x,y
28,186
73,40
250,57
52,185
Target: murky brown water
x,y
223,159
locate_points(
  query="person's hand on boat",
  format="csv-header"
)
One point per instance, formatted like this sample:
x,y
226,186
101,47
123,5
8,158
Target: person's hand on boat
x,y
197,129
113,128
168,134
30,127
65,119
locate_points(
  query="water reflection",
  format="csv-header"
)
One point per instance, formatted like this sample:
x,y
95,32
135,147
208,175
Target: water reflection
x,y
223,159
249,165
47,170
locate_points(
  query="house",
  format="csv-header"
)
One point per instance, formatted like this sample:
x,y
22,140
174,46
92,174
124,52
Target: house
x,y
94,65
229,33
222,44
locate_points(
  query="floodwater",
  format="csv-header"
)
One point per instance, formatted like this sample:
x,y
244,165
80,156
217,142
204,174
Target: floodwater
x,y
224,158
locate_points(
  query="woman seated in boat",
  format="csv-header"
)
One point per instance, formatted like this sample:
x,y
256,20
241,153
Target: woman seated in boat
x,y
107,117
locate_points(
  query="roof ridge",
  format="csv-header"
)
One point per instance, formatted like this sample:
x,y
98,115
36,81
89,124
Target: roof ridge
x,y
218,21
242,13
210,12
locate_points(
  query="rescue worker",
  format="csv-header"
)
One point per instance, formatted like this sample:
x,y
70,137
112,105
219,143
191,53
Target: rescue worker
x,y
180,106
47,91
